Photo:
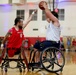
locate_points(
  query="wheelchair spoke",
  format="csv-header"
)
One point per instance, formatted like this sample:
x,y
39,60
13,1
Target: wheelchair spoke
x,y
45,60
49,66
48,54
57,64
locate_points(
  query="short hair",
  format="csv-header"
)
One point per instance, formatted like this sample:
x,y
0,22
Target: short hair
x,y
17,19
55,14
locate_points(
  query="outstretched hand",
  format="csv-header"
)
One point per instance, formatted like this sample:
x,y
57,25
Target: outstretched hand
x,y
34,11
30,17
45,5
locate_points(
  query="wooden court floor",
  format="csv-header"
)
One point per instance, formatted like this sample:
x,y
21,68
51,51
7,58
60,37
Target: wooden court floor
x,y
69,68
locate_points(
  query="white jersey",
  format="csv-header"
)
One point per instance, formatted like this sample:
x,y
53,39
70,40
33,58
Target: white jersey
x,y
53,32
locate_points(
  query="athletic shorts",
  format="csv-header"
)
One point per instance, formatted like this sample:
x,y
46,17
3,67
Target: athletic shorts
x,y
44,44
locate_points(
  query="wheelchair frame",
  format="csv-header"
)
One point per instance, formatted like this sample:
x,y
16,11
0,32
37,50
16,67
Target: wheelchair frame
x,y
52,60
6,60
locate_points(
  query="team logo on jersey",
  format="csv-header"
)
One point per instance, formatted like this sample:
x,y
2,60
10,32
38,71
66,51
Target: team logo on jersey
x,y
21,35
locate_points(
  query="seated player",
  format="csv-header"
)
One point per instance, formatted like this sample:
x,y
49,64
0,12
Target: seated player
x,y
15,37
53,31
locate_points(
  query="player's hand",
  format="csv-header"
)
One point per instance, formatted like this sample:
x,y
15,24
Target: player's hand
x,y
30,18
44,5
34,11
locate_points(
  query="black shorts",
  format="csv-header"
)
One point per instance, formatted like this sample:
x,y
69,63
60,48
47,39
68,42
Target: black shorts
x,y
44,44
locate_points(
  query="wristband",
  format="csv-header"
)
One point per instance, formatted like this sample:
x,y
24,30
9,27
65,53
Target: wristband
x,y
33,12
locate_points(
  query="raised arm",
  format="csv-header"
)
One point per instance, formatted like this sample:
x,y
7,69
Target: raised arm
x,y
49,14
29,18
48,20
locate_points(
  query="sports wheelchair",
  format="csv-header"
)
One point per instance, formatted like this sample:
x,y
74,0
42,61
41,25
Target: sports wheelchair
x,y
51,59
20,59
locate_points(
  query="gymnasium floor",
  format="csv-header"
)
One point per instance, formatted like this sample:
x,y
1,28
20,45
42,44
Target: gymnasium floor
x,y
69,68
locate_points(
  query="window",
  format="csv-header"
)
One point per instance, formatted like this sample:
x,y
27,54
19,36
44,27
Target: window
x,y
43,16
20,13
34,18
61,14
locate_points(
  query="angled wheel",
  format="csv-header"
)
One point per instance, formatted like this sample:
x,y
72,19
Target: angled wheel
x,y
52,59
2,54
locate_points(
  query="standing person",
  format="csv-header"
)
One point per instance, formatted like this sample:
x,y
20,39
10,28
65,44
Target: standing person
x,y
15,36
53,31
68,43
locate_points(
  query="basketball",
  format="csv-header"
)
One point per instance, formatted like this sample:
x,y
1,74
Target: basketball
x,y
41,5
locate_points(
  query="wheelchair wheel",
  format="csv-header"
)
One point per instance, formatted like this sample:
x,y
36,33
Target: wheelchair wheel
x,y
2,54
52,59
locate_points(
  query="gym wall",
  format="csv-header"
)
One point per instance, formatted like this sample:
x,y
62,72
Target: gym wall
x,y
8,14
